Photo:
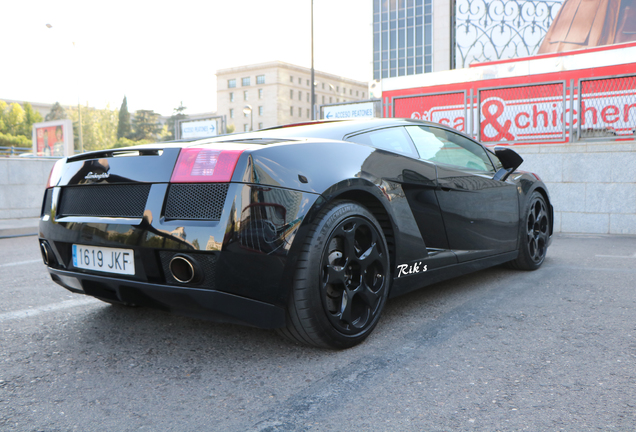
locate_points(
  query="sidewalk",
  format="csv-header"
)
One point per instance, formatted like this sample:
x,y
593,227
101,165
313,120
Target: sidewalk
x,y
18,227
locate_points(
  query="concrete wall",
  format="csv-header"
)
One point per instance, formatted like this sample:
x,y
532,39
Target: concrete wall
x,y
592,185
22,184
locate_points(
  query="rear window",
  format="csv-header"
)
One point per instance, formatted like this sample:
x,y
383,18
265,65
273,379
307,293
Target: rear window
x,y
394,139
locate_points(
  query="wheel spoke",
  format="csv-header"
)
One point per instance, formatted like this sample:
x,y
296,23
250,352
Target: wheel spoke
x,y
369,297
368,257
345,308
335,274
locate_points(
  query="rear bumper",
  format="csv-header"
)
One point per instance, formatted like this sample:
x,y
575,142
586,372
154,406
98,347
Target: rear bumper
x,y
243,258
187,301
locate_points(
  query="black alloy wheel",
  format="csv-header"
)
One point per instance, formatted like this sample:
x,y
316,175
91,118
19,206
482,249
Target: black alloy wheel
x,y
537,230
353,275
342,279
534,240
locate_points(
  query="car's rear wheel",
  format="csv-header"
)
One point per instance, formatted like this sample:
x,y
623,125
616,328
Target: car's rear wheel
x,y
535,234
341,281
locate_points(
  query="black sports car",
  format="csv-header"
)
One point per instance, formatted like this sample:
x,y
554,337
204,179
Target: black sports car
x,y
304,228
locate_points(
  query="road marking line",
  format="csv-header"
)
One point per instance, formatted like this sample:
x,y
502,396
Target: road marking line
x,y
616,256
28,313
20,263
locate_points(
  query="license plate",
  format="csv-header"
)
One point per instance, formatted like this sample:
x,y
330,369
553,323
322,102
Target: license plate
x,y
104,259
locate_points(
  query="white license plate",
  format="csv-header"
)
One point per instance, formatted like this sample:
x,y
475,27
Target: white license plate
x,y
104,259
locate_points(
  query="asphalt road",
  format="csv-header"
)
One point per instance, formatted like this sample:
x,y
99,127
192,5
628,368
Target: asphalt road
x,y
549,350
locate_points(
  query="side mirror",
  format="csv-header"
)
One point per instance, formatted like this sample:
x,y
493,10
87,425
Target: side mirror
x,y
510,160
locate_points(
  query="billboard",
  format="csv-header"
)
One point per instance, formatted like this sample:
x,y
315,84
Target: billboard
x,y
352,110
490,30
193,129
53,138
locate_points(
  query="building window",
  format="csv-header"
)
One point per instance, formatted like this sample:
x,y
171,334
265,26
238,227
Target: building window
x,y
337,100
350,92
245,81
231,83
307,82
291,111
323,100
260,93
244,94
323,86
260,110
362,95
231,112
300,81
337,89
260,125
300,95
344,90
291,79
244,114
291,94
308,113
357,93
330,99
260,79
308,97
246,128
300,112
231,96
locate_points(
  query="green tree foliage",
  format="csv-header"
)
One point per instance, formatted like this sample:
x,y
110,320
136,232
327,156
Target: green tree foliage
x,y
30,117
146,125
16,123
124,127
57,113
177,114
230,128
99,127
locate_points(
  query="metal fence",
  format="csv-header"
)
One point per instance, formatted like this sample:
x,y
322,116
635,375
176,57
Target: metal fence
x,y
14,151
533,113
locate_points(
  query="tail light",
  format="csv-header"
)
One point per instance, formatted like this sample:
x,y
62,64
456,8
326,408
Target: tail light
x,y
197,165
56,173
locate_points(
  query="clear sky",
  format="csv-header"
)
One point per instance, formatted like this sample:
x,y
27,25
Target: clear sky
x,y
159,53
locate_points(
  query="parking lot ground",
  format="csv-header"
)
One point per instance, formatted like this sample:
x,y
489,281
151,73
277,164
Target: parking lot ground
x,y
553,349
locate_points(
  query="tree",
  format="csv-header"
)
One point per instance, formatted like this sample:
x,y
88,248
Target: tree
x,y
124,128
30,117
99,127
146,125
177,114
57,113
14,117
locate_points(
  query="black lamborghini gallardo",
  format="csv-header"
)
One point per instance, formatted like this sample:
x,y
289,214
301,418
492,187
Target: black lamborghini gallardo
x,y
304,228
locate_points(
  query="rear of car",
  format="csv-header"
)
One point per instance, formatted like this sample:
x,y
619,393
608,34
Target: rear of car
x,y
162,226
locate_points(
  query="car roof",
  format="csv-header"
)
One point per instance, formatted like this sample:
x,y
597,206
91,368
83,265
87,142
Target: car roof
x,y
330,129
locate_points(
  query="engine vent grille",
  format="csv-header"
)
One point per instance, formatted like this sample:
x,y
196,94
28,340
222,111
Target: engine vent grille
x,y
196,201
104,200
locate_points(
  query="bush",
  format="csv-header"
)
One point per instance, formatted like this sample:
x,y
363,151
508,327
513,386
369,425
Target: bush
x,y
7,140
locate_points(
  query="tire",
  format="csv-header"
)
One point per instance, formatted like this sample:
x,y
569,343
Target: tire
x,y
534,235
341,281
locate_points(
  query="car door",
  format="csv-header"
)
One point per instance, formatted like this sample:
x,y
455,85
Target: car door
x,y
481,215
418,180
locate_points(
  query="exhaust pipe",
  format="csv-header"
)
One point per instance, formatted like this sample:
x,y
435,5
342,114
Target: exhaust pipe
x,y
46,254
184,270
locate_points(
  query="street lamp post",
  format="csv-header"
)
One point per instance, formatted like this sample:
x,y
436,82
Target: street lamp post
x,y
247,109
313,88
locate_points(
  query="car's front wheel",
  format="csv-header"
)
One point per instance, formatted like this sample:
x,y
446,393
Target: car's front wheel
x,y
535,234
342,279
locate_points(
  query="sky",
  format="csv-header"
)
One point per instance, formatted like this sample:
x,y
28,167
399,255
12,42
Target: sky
x,y
161,53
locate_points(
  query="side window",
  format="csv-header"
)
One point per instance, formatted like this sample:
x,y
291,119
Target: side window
x,y
394,139
442,146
